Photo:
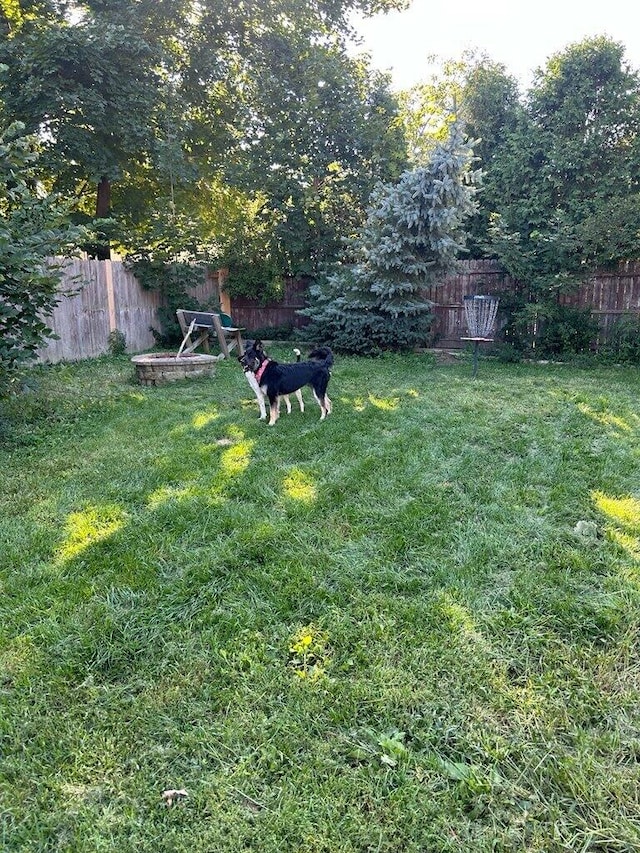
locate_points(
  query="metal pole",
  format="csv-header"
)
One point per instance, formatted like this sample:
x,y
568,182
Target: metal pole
x,y
476,344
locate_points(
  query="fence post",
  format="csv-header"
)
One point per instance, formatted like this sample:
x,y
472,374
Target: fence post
x,y
223,296
111,301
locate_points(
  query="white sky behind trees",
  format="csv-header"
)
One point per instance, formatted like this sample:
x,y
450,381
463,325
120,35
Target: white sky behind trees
x,y
522,36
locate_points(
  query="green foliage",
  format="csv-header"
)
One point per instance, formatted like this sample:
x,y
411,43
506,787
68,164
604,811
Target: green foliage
x,y
257,278
90,88
506,353
285,332
320,131
117,342
251,254
564,182
173,279
412,237
340,317
489,108
542,328
549,329
34,226
565,186
564,329
429,109
623,340
170,260
154,107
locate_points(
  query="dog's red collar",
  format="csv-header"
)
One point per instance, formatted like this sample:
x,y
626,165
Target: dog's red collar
x,y
261,369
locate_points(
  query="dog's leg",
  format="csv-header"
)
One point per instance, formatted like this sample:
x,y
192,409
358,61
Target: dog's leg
x,y
253,382
287,403
300,400
274,410
327,404
321,402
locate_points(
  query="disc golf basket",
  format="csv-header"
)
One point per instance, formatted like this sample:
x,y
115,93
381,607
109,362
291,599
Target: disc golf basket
x,y
480,313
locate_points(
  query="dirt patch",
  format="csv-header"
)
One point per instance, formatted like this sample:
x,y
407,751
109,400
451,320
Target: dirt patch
x,y
444,357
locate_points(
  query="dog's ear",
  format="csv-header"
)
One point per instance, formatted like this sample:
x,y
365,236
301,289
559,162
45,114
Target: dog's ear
x,y
257,345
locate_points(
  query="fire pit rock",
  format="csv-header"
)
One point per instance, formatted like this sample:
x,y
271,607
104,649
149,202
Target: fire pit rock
x,y
158,368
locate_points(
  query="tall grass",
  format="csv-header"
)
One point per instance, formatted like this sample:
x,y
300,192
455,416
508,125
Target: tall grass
x,y
411,627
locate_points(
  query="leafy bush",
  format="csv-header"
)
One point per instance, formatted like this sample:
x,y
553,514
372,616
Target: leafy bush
x,y
545,328
117,342
285,332
564,329
506,353
170,258
173,279
623,343
33,228
254,279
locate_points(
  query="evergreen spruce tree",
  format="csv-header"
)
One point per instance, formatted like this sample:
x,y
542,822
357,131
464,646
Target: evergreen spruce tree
x,y
411,239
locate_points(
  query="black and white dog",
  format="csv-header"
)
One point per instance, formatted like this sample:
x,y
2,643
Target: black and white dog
x,y
260,396
276,380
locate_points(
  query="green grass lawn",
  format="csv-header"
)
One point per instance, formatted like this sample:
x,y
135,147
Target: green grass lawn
x,y
412,627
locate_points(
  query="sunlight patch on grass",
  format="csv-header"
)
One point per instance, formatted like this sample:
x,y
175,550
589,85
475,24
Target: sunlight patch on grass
x,y
359,404
531,705
607,419
457,615
387,404
624,511
631,544
235,459
203,419
169,493
17,658
624,514
79,793
309,654
299,486
460,620
85,528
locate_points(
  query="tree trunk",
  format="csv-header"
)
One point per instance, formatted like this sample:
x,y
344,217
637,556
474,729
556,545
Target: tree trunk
x,y
103,201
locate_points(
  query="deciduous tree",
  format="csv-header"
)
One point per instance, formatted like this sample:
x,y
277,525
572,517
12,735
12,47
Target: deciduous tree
x,y
568,172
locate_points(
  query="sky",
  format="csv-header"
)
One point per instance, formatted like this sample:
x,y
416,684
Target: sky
x,y
520,35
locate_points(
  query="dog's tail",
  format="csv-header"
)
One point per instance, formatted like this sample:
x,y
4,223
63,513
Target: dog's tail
x,y
323,355
298,353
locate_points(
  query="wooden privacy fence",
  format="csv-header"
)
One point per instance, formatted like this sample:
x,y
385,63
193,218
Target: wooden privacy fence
x,y
100,297
608,294
105,296
258,315
475,277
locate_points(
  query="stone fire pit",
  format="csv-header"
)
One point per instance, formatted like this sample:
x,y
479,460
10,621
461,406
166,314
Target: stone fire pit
x,y
157,368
